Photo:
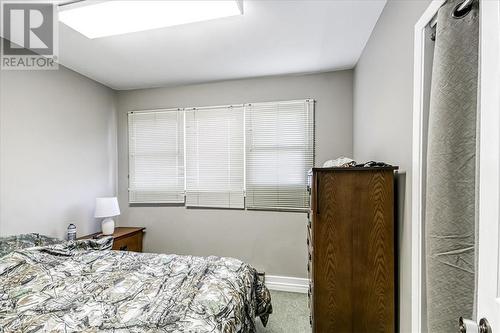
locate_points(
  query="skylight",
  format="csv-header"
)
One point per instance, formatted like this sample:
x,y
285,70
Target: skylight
x,y
96,19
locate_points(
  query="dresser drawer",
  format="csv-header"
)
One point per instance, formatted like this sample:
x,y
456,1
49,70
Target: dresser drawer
x,y
129,243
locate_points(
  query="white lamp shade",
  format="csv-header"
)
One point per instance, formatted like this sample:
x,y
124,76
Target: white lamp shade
x,y
106,207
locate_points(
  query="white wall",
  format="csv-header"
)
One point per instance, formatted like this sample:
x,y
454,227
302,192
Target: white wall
x,y
271,241
383,95
57,151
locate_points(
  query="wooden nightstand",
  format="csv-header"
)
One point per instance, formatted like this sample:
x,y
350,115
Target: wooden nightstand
x,y
124,238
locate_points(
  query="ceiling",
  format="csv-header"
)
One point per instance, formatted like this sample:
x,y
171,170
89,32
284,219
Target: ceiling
x,y
273,37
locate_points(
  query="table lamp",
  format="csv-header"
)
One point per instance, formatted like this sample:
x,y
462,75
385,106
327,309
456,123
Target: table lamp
x,y
107,208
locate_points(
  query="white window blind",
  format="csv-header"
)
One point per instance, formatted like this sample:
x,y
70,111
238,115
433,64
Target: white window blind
x,y
279,153
215,157
156,156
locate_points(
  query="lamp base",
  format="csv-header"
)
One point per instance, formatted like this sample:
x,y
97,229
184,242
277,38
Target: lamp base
x,y
108,226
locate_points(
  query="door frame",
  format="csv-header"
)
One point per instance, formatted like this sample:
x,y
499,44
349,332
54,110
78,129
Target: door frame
x,y
488,165
488,277
418,164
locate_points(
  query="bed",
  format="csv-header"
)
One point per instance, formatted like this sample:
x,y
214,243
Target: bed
x,y
82,286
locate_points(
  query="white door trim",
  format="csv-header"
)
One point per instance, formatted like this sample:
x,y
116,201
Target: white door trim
x,y
417,164
488,288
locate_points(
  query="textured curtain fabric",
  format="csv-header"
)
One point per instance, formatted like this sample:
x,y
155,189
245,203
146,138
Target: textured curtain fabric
x,y
451,171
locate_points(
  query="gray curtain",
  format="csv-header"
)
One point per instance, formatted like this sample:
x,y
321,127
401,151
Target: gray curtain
x,y
451,170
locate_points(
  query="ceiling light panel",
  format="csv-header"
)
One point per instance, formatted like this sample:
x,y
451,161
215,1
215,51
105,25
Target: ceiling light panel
x,y
96,19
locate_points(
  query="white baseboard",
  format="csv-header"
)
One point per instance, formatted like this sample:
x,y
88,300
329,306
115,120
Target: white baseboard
x,y
285,283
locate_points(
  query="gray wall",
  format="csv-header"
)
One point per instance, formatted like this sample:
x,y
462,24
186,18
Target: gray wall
x,y
270,241
57,151
383,102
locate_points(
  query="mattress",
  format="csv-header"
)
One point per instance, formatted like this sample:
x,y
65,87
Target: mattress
x,y
83,287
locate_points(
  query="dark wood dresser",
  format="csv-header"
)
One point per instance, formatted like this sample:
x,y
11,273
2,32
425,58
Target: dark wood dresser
x,y
124,238
352,253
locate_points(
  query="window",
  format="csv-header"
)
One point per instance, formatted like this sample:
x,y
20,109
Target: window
x,y
215,157
156,156
253,156
279,153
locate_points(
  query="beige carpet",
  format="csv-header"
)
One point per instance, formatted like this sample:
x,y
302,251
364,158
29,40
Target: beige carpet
x,y
290,314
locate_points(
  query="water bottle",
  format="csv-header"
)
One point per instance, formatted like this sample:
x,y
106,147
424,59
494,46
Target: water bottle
x,y
72,232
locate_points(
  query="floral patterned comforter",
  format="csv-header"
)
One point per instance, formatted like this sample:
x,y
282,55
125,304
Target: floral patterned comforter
x,y
78,287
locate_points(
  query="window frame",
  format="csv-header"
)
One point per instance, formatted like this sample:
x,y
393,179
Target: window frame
x,y
310,102
223,108
159,202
